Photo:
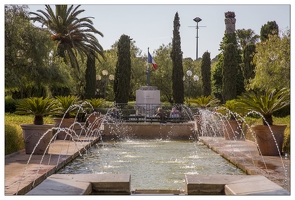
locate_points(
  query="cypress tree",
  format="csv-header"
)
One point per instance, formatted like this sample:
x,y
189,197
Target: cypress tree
x,y
217,78
90,77
248,65
123,71
206,73
229,73
177,70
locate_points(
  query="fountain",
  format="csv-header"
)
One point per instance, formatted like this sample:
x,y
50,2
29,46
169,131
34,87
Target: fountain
x,y
101,155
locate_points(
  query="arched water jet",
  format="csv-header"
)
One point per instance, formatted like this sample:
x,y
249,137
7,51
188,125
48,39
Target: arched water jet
x,y
120,128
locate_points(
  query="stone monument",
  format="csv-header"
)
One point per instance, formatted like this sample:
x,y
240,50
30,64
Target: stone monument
x,y
147,100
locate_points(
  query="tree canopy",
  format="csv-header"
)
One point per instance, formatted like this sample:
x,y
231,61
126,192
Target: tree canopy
x,y
71,34
272,63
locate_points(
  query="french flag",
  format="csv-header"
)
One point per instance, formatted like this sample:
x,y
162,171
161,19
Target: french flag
x,y
151,60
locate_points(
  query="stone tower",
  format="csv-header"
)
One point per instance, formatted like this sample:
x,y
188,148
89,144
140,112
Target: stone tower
x,y
230,22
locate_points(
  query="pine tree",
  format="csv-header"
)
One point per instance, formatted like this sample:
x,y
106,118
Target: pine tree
x,y
206,73
177,71
270,28
123,71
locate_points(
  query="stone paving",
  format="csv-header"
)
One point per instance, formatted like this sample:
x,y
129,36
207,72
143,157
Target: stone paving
x,y
244,154
21,176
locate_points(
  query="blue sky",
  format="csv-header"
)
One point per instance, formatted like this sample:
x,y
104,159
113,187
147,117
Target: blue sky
x,y
151,24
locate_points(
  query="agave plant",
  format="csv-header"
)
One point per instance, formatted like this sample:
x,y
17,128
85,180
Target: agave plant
x,y
39,107
266,102
65,102
205,101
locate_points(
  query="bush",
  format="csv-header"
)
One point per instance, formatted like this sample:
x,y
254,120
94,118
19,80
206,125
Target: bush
x,y
13,138
13,132
10,104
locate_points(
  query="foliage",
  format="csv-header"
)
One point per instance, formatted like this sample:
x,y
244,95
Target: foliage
x,y
196,86
10,104
72,35
177,70
39,107
96,103
123,71
272,63
217,77
13,138
137,78
265,102
246,37
65,103
248,65
230,14
230,108
233,59
270,28
205,101
206,73
27,50
13,132
90,77
159,76
229,73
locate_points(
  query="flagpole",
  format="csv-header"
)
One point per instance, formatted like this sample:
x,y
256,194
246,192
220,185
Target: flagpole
x,y
148,71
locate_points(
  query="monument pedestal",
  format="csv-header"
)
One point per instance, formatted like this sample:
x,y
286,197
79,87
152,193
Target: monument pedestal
x,y
147,100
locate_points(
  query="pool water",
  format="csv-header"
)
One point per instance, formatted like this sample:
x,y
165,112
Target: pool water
x,y
152,164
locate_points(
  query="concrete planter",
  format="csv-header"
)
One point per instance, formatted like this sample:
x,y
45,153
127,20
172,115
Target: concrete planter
x,y
80,128
265,139
66,123
94,121
231,130
37,138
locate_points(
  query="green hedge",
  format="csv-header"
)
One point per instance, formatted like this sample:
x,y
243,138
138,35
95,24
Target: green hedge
x,y
13,138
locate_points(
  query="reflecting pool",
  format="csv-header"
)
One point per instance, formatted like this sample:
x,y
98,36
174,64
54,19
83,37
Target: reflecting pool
x,y
153,164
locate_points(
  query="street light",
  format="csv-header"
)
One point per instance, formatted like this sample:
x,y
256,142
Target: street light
x,y
189,73
98,78
105,73
105,79
197,19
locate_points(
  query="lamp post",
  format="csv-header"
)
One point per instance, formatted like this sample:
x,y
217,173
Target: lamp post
x,y
98,78
197,19
106,78
189,73
105,73
195,78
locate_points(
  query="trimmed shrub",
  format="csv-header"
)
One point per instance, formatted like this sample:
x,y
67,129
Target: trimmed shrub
x,y
13,138
10,104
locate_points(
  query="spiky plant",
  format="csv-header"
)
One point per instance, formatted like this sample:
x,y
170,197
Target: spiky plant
x,y
265,102
39,107
205,101
96,103
65,102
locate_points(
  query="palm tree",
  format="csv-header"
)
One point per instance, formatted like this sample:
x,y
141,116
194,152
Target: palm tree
x,y
265,102
72,35
246,37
